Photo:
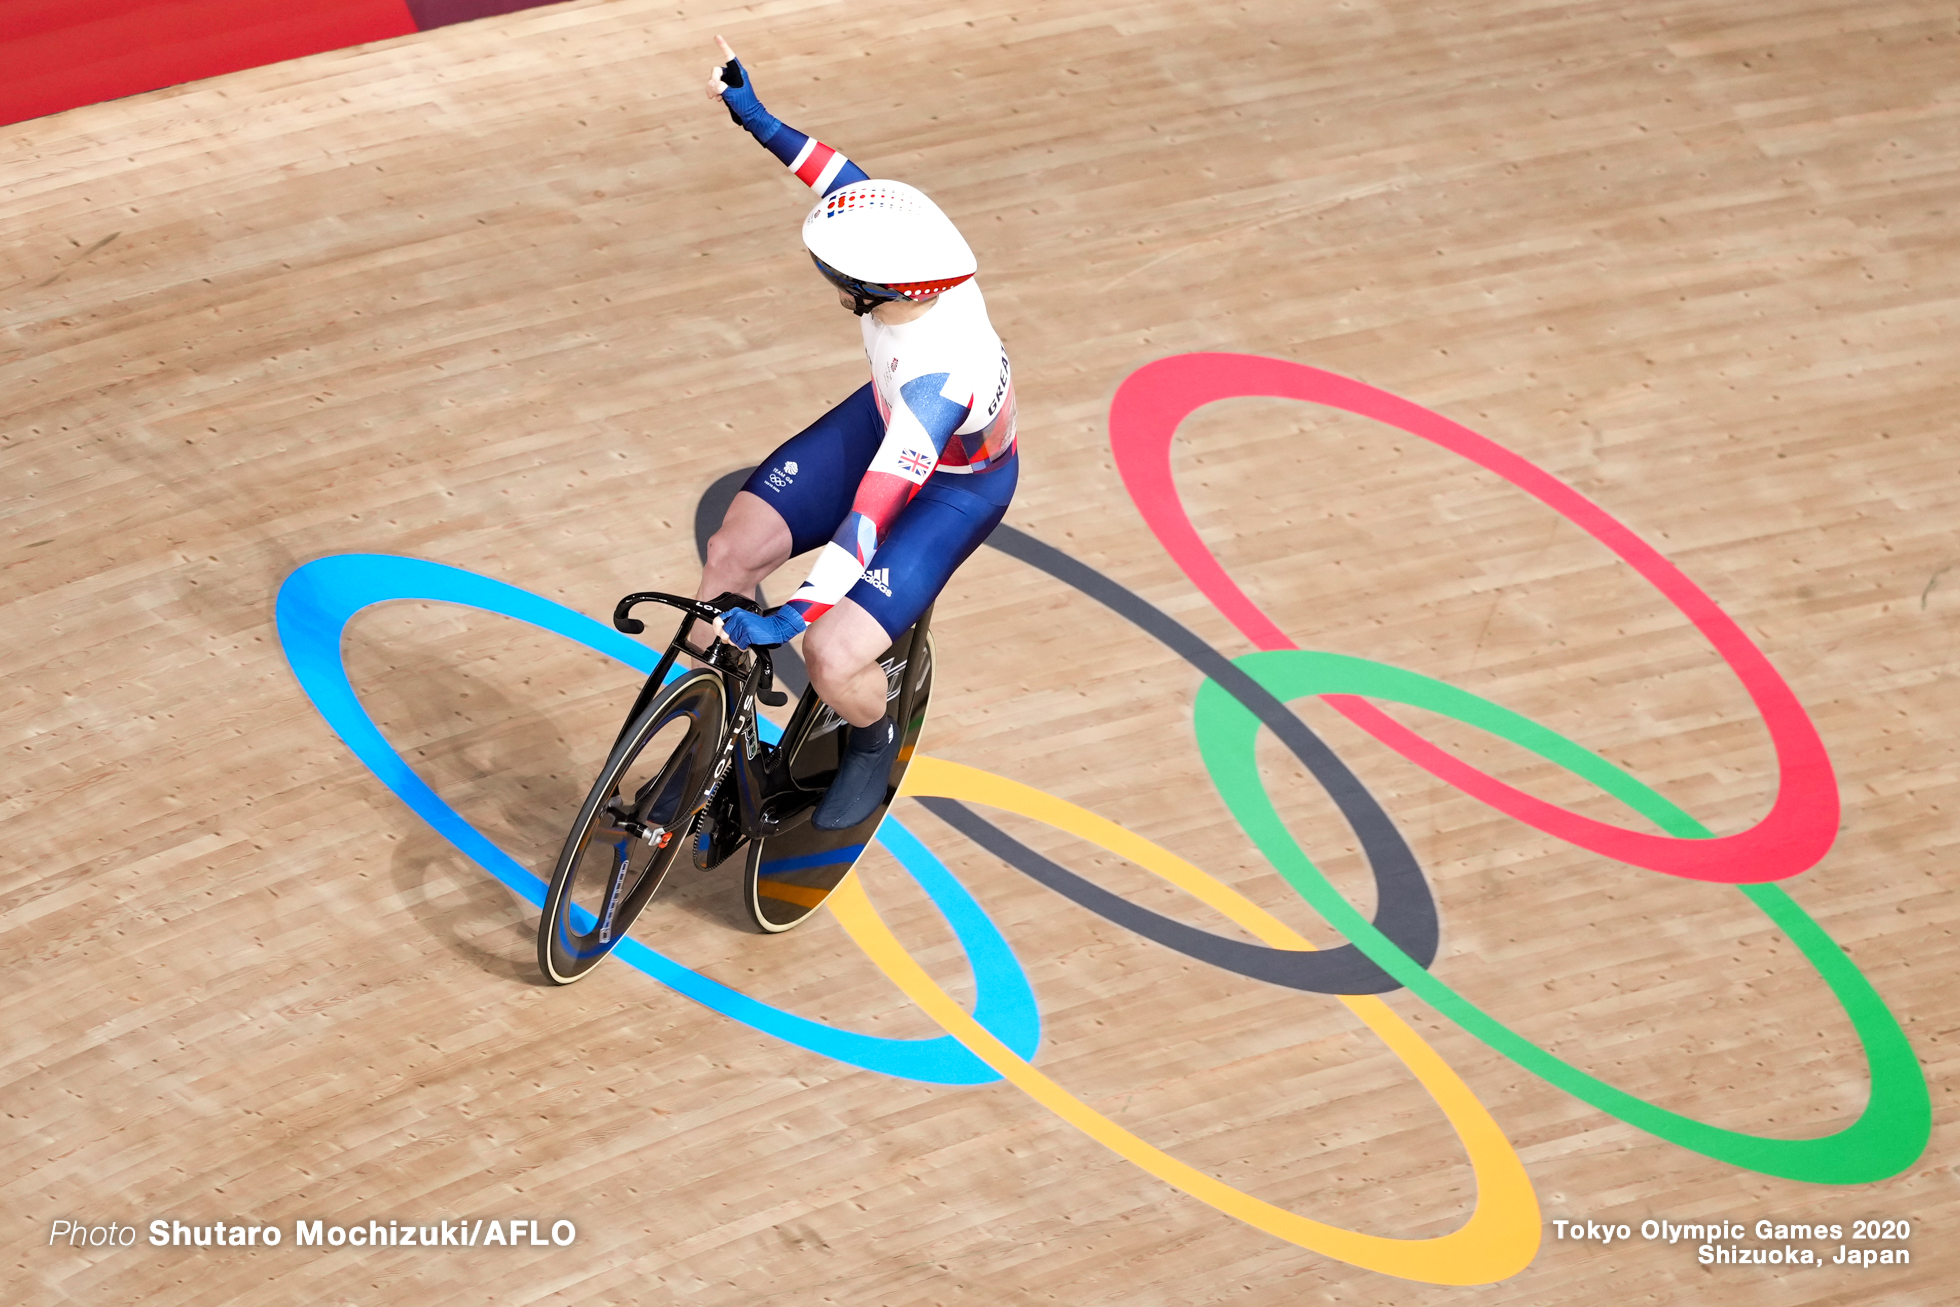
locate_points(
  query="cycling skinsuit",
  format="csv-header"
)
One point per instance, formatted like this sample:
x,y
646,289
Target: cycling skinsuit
x,y
904,479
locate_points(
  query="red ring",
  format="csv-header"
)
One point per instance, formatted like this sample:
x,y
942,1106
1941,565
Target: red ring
x,y
1801,824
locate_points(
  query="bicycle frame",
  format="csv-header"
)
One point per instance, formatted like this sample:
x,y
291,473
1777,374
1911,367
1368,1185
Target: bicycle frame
x,y
767,798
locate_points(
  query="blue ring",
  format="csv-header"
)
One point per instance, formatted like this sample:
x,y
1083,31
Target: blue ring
x,y
314,606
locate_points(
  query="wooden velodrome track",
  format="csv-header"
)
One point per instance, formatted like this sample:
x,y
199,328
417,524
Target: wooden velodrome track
x,y
512,296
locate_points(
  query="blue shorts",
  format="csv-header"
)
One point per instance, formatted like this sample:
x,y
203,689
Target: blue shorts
x,y
949,517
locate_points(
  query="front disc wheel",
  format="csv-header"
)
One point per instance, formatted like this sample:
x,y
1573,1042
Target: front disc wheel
x,y
632,826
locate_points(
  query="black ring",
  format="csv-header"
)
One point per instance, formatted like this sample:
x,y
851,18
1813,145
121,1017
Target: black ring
x,y
1405,909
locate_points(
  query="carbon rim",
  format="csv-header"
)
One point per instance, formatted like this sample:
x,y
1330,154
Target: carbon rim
x,y
620,848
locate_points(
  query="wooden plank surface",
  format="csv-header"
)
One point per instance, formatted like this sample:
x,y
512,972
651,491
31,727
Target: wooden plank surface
x,y
512,295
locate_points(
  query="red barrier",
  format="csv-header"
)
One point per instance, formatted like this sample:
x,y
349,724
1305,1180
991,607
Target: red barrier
x,y
59,54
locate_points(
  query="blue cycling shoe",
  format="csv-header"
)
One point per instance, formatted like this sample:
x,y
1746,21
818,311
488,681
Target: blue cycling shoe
x,y
863,776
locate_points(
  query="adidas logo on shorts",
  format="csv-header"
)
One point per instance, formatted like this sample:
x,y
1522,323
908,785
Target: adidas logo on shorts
x,y
880,579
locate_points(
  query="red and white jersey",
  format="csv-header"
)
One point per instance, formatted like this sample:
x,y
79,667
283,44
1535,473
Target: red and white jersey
x,y
954,340
944,389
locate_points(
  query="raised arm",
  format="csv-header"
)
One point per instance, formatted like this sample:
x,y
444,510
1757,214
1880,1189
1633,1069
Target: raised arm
x,y
815,164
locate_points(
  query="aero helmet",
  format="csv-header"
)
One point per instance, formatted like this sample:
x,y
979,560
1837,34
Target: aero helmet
x,y
882,240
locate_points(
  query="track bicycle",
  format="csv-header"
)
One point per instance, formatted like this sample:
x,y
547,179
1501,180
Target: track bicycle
x,y
689,770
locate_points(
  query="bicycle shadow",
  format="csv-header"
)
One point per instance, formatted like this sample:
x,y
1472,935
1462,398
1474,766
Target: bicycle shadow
x,y
471,915
503,765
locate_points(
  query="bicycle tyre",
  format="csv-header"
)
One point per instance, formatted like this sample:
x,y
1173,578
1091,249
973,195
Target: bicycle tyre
x,y
573,937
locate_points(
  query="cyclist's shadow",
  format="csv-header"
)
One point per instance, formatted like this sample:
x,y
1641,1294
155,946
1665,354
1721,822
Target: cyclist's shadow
x,y
510,783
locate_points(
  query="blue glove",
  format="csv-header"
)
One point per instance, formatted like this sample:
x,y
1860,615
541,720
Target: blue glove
x,y
743,107
744,628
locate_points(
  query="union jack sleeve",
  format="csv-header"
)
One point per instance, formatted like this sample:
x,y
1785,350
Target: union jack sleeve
x,y
815,164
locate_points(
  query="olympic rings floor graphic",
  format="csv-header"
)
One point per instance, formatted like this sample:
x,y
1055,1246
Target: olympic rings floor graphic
x,y
999,1038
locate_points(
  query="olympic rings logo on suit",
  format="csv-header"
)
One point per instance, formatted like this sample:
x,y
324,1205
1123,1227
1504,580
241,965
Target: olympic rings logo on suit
x,y
998,1039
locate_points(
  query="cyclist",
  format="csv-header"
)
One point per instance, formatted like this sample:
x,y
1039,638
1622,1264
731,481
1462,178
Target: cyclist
x,y
899,482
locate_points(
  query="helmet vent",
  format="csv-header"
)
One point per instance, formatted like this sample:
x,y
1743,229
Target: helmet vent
x,y
869,197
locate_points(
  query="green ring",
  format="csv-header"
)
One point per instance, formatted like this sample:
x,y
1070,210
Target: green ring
x,y
1897,1121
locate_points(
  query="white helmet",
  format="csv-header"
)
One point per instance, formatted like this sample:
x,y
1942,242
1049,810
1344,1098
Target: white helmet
x,y
884,240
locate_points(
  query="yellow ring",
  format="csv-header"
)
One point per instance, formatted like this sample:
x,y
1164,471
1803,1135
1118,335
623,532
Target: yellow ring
x,y
1503,1231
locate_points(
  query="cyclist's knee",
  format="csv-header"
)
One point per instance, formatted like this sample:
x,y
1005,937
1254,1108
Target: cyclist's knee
x,y
829,659
741,548
842,644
